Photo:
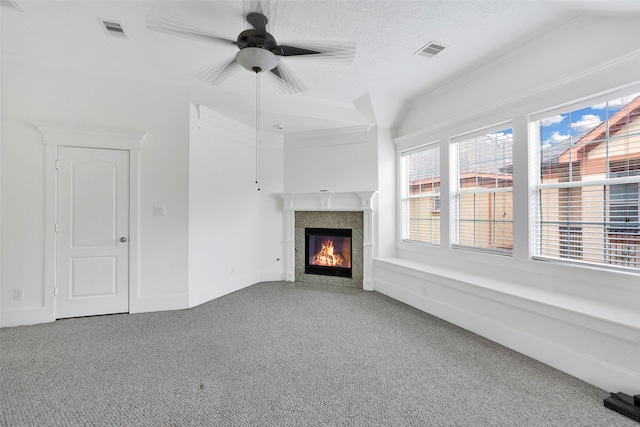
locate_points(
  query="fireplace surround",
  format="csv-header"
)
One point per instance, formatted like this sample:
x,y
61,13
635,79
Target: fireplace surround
x,y
349,221
353,210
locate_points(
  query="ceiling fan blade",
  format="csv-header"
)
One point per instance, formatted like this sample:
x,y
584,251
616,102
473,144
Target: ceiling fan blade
x,y
259,22
293,50
330,51
217,73
167,22
285,80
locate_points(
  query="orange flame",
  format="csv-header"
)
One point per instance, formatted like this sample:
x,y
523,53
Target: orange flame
x,y
327,257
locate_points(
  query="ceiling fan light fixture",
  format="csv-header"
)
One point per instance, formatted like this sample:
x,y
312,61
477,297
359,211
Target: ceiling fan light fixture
x,y
256,59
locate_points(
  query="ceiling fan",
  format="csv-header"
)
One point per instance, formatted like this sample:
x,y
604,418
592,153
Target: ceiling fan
x,y
258,50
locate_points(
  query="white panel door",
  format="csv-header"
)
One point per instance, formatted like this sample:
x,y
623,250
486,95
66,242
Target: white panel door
x,y
92,250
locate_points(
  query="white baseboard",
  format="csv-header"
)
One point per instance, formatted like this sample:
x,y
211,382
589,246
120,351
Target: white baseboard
x,y
272,276
216,290
152,303
584,366
25,316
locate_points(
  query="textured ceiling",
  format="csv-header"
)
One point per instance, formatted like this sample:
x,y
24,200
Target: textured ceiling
x,y
384,73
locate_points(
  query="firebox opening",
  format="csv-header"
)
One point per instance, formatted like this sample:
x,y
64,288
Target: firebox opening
x,y
328,251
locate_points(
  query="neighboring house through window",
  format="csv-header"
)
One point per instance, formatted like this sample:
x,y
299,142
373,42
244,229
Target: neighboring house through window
x,y
482,193
587,181
421,195
436,205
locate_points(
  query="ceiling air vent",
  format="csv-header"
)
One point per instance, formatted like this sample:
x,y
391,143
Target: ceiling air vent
x,y
13,4
112,28
431,49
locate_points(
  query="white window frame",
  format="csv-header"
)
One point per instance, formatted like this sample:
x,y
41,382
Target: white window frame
x,y
405,195
456,191
536,186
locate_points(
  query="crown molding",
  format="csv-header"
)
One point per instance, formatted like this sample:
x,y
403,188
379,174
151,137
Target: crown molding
x,y
76,135
213,121
328,137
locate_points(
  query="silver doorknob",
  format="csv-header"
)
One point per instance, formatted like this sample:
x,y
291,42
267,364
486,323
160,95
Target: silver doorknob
x,y
123,239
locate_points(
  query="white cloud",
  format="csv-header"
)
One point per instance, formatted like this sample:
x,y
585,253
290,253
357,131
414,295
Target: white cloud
x,y
587,122
552,120
554,139
616,103
504,137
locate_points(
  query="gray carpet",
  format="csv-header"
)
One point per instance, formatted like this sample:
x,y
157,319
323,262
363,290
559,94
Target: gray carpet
x,y
277,354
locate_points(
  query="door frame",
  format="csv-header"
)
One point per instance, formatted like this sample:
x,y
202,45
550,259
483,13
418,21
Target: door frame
x,y
71,135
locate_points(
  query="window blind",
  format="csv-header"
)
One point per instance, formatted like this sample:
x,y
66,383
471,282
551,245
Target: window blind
x,y
587,181
421,195
482,196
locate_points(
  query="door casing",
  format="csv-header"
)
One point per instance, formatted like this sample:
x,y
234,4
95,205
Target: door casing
x,y
73,135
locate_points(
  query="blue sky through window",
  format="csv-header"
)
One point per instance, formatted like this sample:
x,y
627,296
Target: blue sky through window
x,y
563,129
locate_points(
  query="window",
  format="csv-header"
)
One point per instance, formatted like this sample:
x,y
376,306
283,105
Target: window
x,y
482,166
436,205
624,207
587,180
421,195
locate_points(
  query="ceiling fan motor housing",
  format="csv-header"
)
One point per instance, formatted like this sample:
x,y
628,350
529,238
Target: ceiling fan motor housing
x,y
254,38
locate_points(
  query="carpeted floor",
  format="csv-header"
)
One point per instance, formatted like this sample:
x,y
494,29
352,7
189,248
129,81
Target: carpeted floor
x,y
279,354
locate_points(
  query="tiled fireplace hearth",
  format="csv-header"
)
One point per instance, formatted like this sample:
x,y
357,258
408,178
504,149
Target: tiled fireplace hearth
x,y
329,210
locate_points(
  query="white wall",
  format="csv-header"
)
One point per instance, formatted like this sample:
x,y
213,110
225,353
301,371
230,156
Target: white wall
x,y
386,197
585,321
39,92
335,160
346,160
234,229
271,214
219,232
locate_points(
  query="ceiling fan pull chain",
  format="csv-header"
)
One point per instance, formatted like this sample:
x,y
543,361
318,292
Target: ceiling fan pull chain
x,y
258,129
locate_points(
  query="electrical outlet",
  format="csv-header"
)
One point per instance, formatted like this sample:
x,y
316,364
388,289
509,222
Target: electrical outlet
x,y
18,294
424,291
158,211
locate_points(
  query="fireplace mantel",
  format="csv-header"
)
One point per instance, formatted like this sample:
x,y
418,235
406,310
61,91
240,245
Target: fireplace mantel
x,y
330,201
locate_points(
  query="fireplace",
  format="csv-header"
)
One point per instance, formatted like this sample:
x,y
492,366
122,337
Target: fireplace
x,y
328,251
348,210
